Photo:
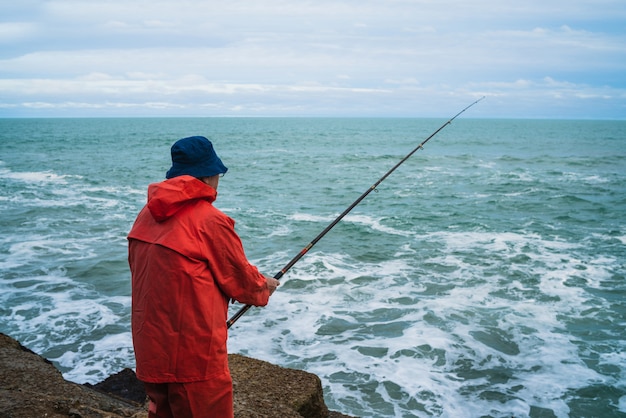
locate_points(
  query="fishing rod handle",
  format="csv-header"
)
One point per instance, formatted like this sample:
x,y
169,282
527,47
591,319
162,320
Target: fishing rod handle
x,y
241,312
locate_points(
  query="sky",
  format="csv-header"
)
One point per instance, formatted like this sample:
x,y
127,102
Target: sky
x,y
558,59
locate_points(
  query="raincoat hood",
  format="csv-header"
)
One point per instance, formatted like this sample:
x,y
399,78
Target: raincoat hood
x,y
166,198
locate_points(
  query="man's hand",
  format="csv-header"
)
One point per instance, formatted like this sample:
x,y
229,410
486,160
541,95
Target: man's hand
x,y
272,284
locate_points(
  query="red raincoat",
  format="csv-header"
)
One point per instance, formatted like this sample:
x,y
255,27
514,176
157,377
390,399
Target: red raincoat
x,y
186,261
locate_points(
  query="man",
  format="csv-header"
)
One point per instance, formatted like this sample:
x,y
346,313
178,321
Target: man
x,y
187,262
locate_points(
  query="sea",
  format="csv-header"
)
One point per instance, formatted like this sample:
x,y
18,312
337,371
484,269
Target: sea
x,y
484,277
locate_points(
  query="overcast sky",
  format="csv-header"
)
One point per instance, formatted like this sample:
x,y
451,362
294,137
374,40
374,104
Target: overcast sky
x,y
407,58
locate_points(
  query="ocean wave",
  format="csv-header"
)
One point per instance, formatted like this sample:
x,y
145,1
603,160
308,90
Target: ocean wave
x,y
370,222
486,277
57,317
35,176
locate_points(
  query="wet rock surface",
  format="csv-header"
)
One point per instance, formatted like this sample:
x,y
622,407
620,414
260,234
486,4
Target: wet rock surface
x,y
30,386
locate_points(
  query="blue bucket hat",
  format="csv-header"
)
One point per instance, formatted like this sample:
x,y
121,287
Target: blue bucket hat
x,y
195,156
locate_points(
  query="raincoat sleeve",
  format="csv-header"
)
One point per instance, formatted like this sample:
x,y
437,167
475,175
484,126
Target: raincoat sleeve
x,y
236,277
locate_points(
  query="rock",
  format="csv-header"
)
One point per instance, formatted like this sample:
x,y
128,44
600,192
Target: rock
x,y
123,384
260,388
30,386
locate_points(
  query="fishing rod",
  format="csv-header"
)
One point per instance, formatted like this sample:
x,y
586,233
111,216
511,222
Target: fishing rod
x,y
306,249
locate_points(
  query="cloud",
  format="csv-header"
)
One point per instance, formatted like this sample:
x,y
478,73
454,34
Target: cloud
x,y
353,58
11,32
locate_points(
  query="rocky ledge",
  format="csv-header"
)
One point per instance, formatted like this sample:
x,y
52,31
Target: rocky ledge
x,y
30,386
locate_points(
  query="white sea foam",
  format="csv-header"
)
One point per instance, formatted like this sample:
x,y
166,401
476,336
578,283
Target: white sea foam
x,y
34,176
368,221
56,317
280,231
464,324
622,404
375,224
310,218
90,359
31,247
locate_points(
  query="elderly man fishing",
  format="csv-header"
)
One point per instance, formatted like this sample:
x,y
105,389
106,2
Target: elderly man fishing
x,y
187,262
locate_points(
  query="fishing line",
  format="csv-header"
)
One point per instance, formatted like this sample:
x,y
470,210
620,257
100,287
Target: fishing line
x,y
306,249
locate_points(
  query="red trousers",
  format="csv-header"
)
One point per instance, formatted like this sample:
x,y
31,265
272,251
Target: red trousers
x,y
208,399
